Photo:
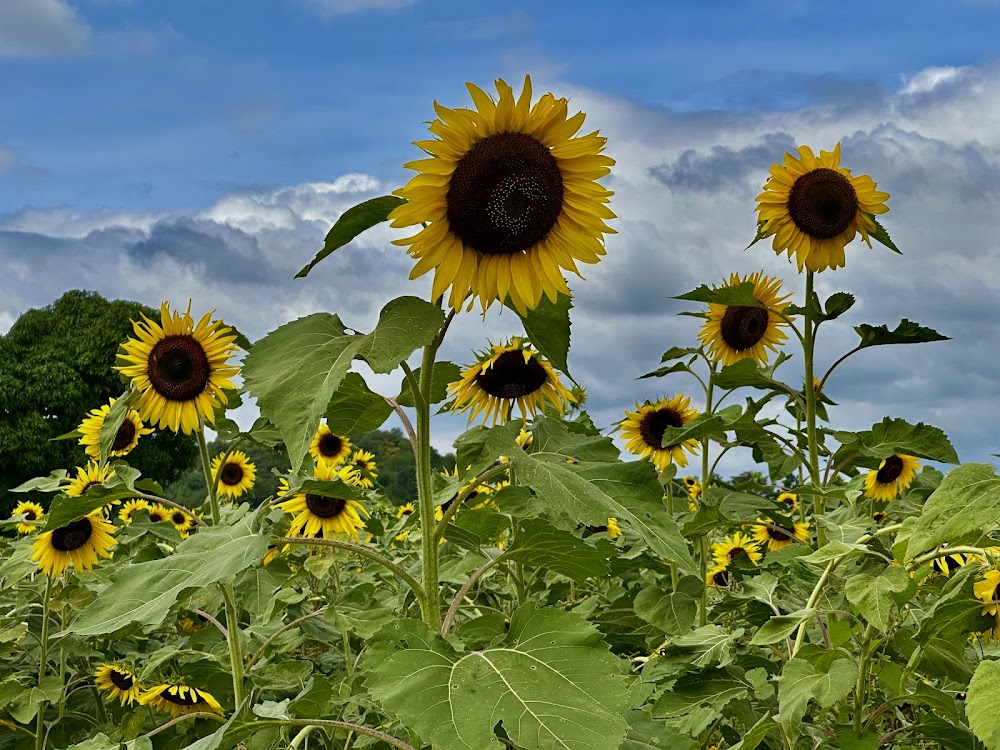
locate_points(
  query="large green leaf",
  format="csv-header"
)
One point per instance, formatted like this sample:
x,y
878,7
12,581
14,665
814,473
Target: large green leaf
x,y
443,374
672,612
714,688
873,595
898,436
113,422
907,332
538,543
981,703
353,222
354,408
756,734
814,675
780,627
143,593
66,509
647,733
548,328
552,683
965,505
740,295
882,236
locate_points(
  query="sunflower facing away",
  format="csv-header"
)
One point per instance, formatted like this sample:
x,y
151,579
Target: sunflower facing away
x,y
364,462
86,477
813,207
776,536
324,517
735,332
988,590
177,699
130,507
126,438
732,548
80,542
893,476
327,448
508,374
236,475
118,682
508,199
180,369
32,512
644,429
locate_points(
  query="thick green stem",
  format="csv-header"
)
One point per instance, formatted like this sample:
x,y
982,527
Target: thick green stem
x,y
206,465
430,603
860,688
810,389
706,479
670,510
43,655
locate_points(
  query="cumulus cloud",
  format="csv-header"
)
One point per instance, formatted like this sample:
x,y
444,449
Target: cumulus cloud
x,y
41,28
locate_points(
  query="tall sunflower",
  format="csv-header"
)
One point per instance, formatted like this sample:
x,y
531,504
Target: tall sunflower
x,y
80,542
126,438
118,682
236,475
813,207
508,374
508,199
320,516
732,548
178,699
180,369
32,512
327,448
644,429
779,535
86,477
893,476
735,332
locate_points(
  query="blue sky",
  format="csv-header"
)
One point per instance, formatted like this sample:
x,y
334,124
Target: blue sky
x,y
194,149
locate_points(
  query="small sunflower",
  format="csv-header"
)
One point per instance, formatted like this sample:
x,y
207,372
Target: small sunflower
x,y
130,507
183,522
405,510
177,699
524,438
947,564
31,512
80,542
893,476
614,530
777,536
508,199
719,578
879,516
364,462
813,207
323,517
690,482
789,499
118,682
731,548
327,448
157,513
735,332
86,477
644,429
988,590
180,369
236,475
126,438
508,374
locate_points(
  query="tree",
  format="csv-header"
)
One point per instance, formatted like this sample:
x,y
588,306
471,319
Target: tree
x,y
55,365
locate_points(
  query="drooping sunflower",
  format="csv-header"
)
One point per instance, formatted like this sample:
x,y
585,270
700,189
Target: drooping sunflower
x,y
508,199
32,512
183,522
236,475
813,207
789,499
719,577
126,438
731,548
893,476
988,590
118,682
86,477
157,513
130,507
327,448
180,369
364,462
644,429
178,699
776,536
320,516
735,332
81,543
508,374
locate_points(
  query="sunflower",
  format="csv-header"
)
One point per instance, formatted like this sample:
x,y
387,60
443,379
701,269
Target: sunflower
x,y
735,332
508,374
327,448
719,578
183,522
614,530
79,542
524,438
405,510
733,547
180,369
86,477
31,512
987,591
236,475
893,476
690,482
157,512
879,516
644,429
813,207
508,199
177,699
126,438
323,517
118,682
130,507
776,535
789,499
364,462
950,563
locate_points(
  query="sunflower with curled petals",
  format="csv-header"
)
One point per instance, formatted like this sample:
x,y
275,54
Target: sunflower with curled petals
x,y
127,437
177,699
508,199
779,535
32,513
181,369
320,516
644,429
328,448
80,543
892,477
236,474
505,375
735,332
813,208
118,682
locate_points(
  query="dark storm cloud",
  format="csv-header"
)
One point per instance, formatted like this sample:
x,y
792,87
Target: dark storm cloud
x,y
723,168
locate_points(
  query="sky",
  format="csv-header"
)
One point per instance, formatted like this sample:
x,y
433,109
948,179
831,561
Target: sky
x,y
192,150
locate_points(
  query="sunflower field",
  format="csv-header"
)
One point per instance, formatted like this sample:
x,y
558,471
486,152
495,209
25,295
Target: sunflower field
x,y
558,590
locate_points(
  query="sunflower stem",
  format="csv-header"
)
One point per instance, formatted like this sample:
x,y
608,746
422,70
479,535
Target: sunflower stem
x,y
430,602
706,478
43,647
809,350
206,465
670,511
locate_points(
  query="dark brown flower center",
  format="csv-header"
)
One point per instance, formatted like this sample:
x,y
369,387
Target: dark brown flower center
x,y
73,535
330,445
722,578
505,194
780,534
178,518
188,697
890,470
178,368
596,529
742,327
121,680
788,500
29,514
736,552
654,423
155,516
232,474
822,203
325,507
511,377
124,436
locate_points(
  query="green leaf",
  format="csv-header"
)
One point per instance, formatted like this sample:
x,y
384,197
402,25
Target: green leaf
x,y
848,740
703,426
814,675
956,613
898,436
780,627
966,504
714,688
25,706
551,682
837,304
835,550
676,352
444,373
743,506
981,703
404,325
548,328
52,483
659,372
144,592
873,596
112,422
882,236
907,332
746,372
538,543
100,741
354,408
670,612
756,734
647,733
351,223
704,647
740,295
757,237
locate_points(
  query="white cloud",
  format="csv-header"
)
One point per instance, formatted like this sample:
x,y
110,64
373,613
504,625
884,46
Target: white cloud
x,y
928,79
329,8
41,28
